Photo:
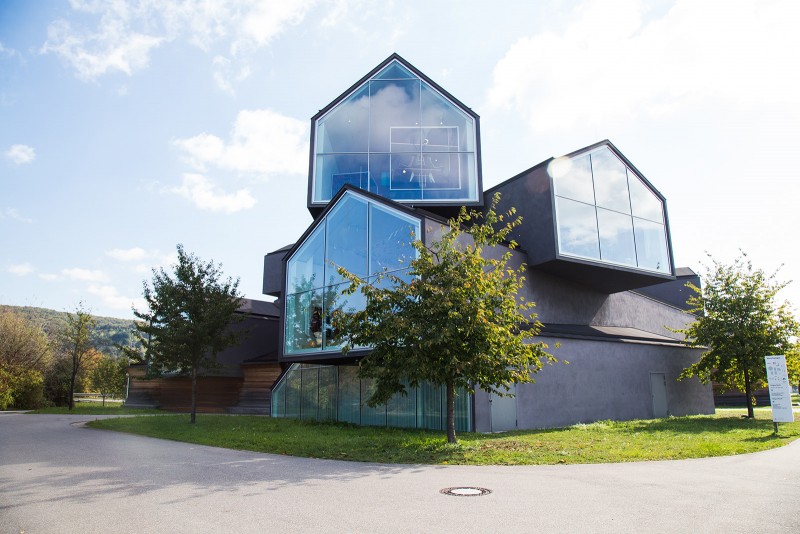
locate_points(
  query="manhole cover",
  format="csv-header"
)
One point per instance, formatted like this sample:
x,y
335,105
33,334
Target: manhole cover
x,y
465,491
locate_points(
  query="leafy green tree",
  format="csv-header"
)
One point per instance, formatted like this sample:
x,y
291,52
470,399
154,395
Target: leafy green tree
x,y
76,339
25,353
459,322
109,376
738,322
188,320
793,364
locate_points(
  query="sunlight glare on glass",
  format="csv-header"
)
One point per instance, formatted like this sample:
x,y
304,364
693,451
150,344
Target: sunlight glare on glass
x,y
559,167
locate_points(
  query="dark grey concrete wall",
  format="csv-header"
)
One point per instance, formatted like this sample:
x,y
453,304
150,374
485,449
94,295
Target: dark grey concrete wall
x,y
604,380
259,336
559,301
273,273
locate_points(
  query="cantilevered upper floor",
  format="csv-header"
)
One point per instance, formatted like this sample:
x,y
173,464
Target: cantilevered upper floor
x,y
399,135
593,218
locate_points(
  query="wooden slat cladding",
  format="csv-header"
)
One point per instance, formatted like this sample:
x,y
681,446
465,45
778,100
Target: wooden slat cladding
x,y
214,394
256,391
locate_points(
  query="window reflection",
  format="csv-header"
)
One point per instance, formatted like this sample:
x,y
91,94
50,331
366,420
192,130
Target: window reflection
x,y
397,137
644,202
610,181
616,237
624,226
577,228
346,239
363,237
651,245
576,182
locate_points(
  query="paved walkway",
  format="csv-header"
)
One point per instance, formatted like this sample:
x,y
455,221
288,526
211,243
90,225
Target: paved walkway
x,y
56,476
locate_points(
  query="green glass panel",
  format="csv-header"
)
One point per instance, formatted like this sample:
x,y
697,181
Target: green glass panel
x,y
349,399
292,387
430,407
278,400
309,409
463,411
371,416
327,393
401,410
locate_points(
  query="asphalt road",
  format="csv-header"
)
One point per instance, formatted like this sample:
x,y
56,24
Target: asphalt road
x,y
57,476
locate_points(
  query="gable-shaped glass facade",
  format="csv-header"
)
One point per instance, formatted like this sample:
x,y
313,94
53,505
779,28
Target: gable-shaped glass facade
x,y
605,212
398,137
365,237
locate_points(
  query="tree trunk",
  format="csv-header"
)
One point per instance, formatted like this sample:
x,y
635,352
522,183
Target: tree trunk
x,y
73,375
451,413
104,400
194,394
749,394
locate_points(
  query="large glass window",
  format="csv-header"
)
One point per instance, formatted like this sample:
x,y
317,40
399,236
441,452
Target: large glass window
x,y
606,212
396,136
364,237
336,393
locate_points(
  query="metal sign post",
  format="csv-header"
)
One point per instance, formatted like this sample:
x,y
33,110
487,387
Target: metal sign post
x,y
780,392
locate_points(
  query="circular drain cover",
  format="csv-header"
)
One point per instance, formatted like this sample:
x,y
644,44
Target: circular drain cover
x,y
465,491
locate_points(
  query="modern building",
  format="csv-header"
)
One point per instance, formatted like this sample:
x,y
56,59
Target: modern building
x,y
396,155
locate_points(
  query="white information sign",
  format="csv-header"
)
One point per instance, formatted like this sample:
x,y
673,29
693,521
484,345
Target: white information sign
x,y
780,392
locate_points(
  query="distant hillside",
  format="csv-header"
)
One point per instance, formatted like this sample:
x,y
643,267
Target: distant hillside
x,y
108,332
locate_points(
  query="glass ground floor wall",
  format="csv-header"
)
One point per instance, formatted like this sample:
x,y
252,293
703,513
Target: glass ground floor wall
x,y
335,393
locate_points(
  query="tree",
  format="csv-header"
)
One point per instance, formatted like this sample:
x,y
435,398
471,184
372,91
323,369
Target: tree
x,y
793,364
109,376
738,322
459,322
25,353
188,319
76,338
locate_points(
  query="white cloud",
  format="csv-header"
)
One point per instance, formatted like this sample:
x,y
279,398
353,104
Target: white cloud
x,y
21,269
111,298
127,33
13,213
128,254
49,277
21,154
226,73
8,51
262,142
202,193
611,62
84,275
114,47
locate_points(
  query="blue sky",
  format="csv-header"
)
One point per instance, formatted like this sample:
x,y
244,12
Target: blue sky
x,y
129,127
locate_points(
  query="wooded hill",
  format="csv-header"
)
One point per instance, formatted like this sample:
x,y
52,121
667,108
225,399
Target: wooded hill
x,y
109,331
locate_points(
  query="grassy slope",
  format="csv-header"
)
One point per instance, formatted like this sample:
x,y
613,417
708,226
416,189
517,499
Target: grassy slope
x,y
663,439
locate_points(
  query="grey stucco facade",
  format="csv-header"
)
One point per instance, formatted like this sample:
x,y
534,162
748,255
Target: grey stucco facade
x,y
603,380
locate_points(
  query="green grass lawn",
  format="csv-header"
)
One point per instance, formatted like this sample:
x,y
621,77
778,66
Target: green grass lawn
x,y
97,408
725,433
